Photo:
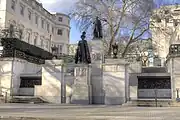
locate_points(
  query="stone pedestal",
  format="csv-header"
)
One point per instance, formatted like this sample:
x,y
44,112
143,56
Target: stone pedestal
x,y
96,49
81,87
115,81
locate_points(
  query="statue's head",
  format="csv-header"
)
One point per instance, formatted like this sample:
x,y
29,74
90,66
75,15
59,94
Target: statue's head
x,y
97,18
83,35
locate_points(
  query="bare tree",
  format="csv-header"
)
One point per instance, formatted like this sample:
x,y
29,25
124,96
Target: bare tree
x,y
165,26
116,16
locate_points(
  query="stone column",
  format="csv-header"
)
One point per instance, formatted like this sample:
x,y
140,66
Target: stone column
x,y
82,86
115,81
173,67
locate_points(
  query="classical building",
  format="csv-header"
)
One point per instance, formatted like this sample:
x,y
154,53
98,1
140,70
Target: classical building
x,y
35,25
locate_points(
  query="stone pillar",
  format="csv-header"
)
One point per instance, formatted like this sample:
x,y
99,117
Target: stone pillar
x,y
173,66
82,86
96,49
115,79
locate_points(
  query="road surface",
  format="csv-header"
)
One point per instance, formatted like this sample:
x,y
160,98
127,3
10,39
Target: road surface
x,y
78,112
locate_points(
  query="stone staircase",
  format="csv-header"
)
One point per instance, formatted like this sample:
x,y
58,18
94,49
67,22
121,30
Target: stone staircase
x,y
27,99
151,103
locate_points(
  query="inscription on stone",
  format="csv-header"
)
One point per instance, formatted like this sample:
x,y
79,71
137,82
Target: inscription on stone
x,y
96,56
113,68
80,71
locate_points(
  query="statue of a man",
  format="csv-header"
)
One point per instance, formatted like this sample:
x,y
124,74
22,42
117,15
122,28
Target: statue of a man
x,y
82,52
97,28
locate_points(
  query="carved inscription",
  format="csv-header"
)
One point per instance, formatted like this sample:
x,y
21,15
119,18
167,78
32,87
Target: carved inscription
x,y
96,56
114,68
80,71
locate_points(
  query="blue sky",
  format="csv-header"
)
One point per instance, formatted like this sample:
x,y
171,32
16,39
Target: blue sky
x,y
64,6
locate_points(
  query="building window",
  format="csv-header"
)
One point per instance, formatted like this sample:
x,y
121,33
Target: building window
x,y
48,27
175,22
47,45
52,30
29,14
13,4
35,40
60,49
60,32
42,23
42,43
28,37
22,10
36,20
11,30
60,19
20,34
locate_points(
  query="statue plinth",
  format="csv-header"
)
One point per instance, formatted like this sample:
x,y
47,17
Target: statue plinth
x,y
96,50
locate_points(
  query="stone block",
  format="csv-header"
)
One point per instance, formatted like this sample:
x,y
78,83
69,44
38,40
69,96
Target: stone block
x,y
115,82
81,88
80,94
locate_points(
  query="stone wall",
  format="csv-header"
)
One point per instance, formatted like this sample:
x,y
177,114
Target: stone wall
x,y
173,64
134,69
82,85
23,67
52,79
7,75
115,81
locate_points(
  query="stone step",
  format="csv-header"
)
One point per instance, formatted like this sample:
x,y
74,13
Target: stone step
x,y
26,99
149,103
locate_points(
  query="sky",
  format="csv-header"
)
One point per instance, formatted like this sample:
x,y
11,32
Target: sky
x,y
64,6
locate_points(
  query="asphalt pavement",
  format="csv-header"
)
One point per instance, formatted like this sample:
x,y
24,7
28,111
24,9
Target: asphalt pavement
x,y
91,112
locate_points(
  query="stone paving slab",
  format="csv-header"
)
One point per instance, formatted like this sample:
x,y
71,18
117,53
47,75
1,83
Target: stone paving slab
x,y
78,112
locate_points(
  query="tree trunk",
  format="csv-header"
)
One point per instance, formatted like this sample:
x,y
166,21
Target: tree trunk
x,y
110,46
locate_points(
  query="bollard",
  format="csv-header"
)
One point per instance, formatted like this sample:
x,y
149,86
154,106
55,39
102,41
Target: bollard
x,y
6,97
177,89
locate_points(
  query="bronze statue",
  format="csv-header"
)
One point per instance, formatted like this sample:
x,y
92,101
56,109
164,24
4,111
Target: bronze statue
x,y
115,50
82,52
97,29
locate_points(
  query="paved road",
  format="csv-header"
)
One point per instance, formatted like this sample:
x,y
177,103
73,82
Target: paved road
x,y
75,112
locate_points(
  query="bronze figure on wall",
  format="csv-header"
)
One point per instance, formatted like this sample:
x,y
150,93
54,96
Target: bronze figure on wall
x,y
97,29
82,53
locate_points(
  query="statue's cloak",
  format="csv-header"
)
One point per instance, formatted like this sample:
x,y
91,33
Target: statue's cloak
x,y
82,53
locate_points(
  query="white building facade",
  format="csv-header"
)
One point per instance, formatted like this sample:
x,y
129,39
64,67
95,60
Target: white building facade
x,y
35,24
